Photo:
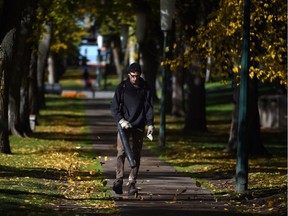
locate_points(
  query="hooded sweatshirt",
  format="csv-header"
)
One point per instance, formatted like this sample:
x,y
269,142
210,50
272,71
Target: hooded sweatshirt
x,y
133,103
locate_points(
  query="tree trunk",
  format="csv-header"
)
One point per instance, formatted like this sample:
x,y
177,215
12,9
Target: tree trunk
x,y
255,144
10,15
6,54
25,110
43,50
116,50
33,88
60,66
232,142
51,69
150,65
24,93
18,104
15,84
195,119
1,7
178,93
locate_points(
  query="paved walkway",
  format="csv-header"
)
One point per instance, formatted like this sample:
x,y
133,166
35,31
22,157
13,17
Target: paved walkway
x,y
162,190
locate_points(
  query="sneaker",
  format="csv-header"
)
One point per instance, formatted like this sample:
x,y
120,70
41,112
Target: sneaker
x,y
132,189
117,186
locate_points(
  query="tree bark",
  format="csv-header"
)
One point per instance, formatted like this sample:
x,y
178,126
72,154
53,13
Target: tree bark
x,y
43,50
1,7
33,88
116,50
178,94
15,84
195,119
10,16
255,143
232,141
150,65
18,104
51,69
6,53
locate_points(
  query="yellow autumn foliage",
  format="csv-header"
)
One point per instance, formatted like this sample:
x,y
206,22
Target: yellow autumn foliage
x,y
221,40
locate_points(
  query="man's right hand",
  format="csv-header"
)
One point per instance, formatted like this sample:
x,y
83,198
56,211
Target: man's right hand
x,y
125,124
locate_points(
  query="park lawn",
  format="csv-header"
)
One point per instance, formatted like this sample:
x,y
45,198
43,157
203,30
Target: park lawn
x,y
200,154
51,173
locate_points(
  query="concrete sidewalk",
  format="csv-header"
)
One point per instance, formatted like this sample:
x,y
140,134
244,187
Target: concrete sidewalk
x,y
162,190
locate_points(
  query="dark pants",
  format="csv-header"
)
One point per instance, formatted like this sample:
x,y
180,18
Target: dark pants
x,y
135,137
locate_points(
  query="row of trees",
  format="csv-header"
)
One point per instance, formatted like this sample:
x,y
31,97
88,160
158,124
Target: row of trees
x,y
217,36
32,33
39,35
205,41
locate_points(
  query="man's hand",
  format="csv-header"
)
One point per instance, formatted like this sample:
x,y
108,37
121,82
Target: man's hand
x,y
150,132
125,124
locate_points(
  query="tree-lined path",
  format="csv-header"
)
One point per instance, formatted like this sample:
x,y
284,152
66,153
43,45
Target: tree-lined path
x,y
162,190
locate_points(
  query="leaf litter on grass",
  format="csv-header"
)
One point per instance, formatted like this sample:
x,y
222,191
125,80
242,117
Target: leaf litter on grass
x,y
49,174
214,169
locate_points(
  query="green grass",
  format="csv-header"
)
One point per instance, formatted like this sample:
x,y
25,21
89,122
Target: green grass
x,y
51,173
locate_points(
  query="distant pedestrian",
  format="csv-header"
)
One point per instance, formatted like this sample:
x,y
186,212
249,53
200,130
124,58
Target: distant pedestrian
x,y
131,108
86,78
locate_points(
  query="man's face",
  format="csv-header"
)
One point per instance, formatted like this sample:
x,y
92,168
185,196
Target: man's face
x,y
134,77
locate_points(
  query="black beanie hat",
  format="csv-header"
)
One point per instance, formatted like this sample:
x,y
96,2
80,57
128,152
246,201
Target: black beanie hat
x,y
134,67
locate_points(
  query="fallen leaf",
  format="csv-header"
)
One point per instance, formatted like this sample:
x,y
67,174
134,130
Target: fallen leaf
x,y
270,203
198,184
104,183
92,172
184,190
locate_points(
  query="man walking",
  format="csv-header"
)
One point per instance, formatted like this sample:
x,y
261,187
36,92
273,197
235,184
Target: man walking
x,y
131,108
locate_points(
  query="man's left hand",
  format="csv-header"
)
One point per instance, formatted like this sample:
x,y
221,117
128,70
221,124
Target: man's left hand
x,y
150,130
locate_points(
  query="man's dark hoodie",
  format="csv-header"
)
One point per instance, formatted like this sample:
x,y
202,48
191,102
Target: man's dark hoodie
x,y
133,103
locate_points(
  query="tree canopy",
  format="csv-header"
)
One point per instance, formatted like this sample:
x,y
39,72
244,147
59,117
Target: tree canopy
x,y
220,39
